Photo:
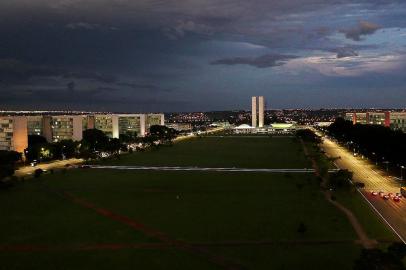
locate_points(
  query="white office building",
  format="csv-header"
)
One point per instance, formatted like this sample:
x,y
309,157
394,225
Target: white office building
x,y
13,133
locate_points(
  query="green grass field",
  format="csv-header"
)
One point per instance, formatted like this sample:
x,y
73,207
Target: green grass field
x,y
373,224
241,152
178,220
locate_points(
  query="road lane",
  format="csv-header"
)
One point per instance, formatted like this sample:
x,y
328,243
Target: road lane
x,y
393,213
28,170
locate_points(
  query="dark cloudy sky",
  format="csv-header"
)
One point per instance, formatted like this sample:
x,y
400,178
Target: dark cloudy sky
x,y
190,55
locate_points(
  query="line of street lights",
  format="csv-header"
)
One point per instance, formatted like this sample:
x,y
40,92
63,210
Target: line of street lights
x,y
353,146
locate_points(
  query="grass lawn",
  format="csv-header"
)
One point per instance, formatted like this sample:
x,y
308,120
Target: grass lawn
x,y
143,259
209,207
241,152
32,215
213,206
329,256
374,226
247,219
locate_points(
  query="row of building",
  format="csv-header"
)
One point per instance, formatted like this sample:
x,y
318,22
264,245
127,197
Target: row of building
x,y
393,120
14,130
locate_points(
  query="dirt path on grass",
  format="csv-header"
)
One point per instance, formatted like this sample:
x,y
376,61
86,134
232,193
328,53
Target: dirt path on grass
x,y
359,230
138,226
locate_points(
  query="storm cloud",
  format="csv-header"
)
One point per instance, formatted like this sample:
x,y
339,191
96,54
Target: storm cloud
x,y
362,29
264,61
345,52
195,55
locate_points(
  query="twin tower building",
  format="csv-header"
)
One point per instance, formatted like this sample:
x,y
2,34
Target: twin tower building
x,y
258,108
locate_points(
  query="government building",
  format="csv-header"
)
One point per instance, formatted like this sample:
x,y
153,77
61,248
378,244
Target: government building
x,y
14,130
393,120
258,124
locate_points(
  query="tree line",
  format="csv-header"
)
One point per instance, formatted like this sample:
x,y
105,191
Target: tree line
x,y
379,143
94,144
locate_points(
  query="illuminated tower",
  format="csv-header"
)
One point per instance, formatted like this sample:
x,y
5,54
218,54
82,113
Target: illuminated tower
x,y
261,109
254,111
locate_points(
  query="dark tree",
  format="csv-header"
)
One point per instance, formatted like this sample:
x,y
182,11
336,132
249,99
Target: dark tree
x,y
94,140
308,135
163,133
8,160
302,228
340,179
150,139
114,146
35,145
35,140
379,143
129,137
38,173
64,148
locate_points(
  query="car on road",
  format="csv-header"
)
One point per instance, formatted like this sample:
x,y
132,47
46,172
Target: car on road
x,y
386,197
398,195
374,193
381,193
396,199
391,195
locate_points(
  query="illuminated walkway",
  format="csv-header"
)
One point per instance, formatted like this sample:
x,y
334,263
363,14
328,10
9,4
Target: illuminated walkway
x,y
57,164
178,168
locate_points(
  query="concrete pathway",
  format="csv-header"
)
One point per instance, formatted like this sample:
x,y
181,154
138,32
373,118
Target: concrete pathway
x,y
209,169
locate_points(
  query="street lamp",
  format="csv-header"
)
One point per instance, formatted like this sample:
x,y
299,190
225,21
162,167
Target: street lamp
x,y
401,172
387,165
376,158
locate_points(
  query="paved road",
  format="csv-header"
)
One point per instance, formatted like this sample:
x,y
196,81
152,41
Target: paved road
x,y
179,168
193,135
28,170
393,213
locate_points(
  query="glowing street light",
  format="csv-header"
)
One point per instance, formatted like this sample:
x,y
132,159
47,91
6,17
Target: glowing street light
x,y
387,165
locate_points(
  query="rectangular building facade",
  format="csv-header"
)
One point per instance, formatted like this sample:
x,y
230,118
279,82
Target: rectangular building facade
x,y
35,125
108,123
154,119
13,133
357,117
254,111
66,127
376,118
394,120
114,125
261,109
131,124
180,126
349,117
14,130
397,121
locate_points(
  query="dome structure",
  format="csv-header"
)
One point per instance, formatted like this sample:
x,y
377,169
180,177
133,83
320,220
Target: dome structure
x,y
243,126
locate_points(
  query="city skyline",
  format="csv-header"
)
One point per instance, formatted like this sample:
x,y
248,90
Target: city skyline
x,y
139,56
